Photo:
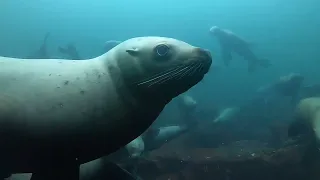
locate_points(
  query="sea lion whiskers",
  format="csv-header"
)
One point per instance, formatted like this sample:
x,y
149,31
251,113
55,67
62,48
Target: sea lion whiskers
x,y
176,76
196,67
165,75
177,72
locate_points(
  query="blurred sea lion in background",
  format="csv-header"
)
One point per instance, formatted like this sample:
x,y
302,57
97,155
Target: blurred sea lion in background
x,y
130,154
230,42
310,91
288,86
187,107
71,51
227,114
42,52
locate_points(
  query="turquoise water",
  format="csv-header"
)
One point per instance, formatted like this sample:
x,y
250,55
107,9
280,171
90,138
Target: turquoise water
x,y
284,31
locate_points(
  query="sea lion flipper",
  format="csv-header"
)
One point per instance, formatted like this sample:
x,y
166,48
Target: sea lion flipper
x,y
226,56
252,64
265,62
43,48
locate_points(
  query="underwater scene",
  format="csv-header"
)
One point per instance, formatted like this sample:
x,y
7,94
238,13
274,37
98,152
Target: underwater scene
x,y
160,90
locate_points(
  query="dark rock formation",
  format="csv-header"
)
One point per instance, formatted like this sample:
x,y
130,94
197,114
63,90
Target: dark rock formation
x,y
242,160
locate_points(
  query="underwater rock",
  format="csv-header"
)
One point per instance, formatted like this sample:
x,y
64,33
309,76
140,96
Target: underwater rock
x,y
248,160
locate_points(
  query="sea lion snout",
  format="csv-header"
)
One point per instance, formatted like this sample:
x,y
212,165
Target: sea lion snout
x,y
214,29
203,57
204,54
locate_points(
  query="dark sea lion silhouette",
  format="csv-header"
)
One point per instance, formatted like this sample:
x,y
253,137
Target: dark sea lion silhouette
x,y
71,51
288,86
230,42
41,53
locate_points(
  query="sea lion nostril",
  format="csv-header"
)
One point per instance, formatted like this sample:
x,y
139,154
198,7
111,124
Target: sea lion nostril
x,y
208,52
203,53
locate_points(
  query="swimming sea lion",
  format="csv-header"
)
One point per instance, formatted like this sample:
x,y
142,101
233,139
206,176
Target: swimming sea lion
x,y
42,52
187,107
57,114
287,86
312,90
136,147
71,51
230,42
187,102
110,44
227,114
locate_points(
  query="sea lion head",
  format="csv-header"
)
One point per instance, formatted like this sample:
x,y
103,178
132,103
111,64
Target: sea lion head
x,y
215,30
289,84
188,103
136,147
308,115
160,67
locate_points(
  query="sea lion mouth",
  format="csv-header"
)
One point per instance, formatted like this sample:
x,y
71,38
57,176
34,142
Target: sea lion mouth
x,y
191,71
170,83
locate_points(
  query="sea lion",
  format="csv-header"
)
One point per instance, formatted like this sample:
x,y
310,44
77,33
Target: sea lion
x,y
187,106
136,147
312,90
227,114
42,52
287,86
307,119
71,51
187,103
129,155
163,135
230,42
57,114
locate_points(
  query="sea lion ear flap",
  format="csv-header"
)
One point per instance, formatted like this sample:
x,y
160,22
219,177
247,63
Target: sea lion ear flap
x,y
133,51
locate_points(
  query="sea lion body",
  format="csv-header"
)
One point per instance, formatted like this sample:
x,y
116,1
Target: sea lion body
x,y
164,135
230,42
99,169
152,139
307,119
286,86
227,114
57,114
187,106
42,52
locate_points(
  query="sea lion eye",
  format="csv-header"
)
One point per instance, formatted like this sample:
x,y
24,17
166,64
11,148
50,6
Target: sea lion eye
x,y
162,50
